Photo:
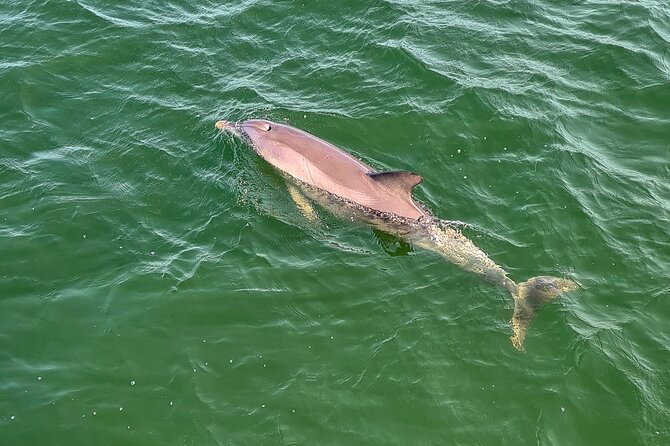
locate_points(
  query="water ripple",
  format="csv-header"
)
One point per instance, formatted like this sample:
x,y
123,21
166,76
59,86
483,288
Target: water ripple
x,y
139,246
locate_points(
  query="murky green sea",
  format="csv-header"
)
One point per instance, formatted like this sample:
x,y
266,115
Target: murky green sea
x,y
157,285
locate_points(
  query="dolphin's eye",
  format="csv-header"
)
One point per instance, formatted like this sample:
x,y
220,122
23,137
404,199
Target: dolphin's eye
x,y
268,127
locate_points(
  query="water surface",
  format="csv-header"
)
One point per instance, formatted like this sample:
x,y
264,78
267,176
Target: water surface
x,y
157,285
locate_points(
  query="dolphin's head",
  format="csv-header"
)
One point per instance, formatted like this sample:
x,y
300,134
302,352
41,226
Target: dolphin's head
x,y
253,130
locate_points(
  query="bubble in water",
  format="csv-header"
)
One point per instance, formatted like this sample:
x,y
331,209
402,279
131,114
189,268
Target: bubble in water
x,y
132,383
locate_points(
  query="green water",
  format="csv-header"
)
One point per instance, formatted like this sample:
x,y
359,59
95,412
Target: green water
x,y
158,287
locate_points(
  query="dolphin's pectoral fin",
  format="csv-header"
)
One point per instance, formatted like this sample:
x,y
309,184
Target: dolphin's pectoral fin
x,y
392,245
399,180
302,203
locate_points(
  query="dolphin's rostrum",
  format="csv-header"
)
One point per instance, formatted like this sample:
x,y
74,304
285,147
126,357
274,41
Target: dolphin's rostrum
x,y
351,189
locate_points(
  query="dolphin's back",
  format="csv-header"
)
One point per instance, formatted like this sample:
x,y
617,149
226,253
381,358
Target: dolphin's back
x,y
318,163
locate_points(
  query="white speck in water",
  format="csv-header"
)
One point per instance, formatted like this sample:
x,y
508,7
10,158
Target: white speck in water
x,y
170,403
293,410
120,247
264,365
193,370
562,409
231,361
84,236
128,427
458,151
262,405
132,383
83,416
120,409
153,253
309,346
205,363
260,356
12,417
465,177
204,340
39,378
332,337
304,116
95,413
504,148
485,137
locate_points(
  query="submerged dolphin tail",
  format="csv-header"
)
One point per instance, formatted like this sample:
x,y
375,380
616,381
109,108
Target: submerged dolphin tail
x,y
529,296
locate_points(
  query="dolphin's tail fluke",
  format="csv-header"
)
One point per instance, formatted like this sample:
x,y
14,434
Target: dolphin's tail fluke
x,y
529,296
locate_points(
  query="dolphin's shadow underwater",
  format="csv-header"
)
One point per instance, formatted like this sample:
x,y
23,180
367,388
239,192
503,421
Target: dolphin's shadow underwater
x,y
317,171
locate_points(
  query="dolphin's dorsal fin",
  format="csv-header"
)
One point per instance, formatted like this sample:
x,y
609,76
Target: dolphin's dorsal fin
x,y
399,180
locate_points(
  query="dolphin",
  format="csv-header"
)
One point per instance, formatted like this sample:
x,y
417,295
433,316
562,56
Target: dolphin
x,y
317,171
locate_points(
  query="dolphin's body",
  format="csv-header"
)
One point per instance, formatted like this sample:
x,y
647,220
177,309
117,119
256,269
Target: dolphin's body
x,y
353,190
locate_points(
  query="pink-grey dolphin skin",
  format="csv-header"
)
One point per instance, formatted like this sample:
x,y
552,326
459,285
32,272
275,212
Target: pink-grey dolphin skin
x,y
320,164
351,189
